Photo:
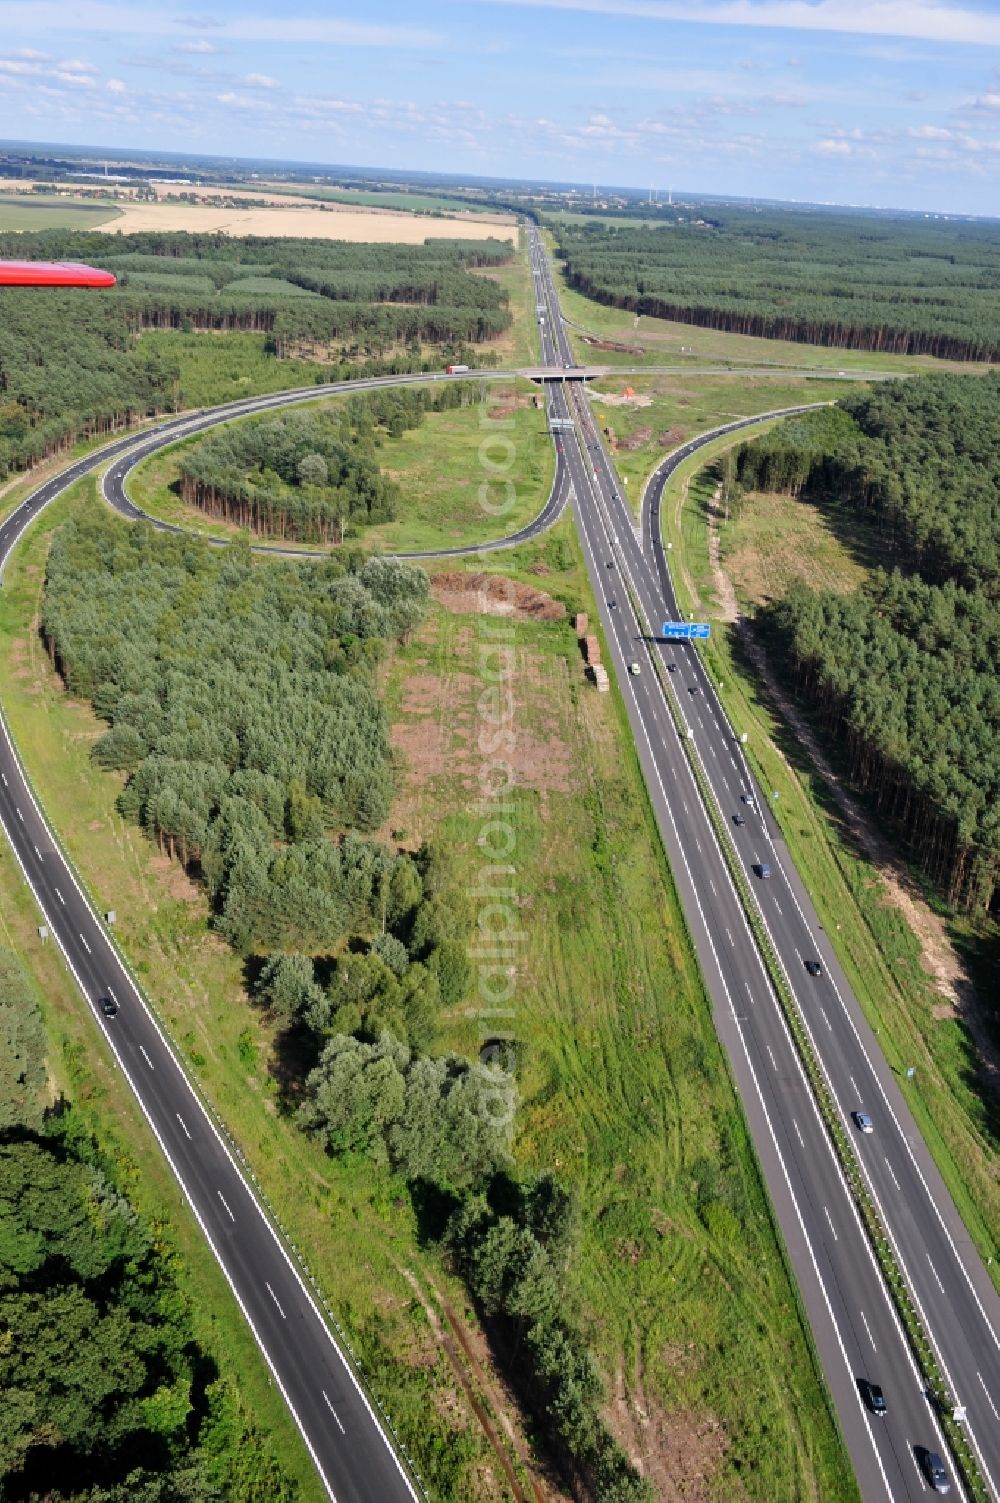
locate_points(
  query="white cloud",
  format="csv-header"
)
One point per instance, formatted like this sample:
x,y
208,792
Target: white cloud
x,y
931,133
259,81
115,86
989,101
831,148
53,17
199,48
928,20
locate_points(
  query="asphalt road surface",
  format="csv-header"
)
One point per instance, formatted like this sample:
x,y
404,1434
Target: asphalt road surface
x,y
854,1322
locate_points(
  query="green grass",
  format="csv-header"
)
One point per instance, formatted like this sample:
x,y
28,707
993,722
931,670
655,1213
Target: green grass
x,y
880,953
357,1227
440,473
682,407
626,1093
664,342
38,212
679,1280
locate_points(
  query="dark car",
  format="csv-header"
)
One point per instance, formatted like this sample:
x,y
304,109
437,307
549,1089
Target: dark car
x,y
738,819
934,1471
611,563
671,667
873,1396
762,869
814,968
612,604
108,1006
692,688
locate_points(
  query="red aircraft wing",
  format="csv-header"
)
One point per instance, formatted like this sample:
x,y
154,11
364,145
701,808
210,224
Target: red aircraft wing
x,y
52,274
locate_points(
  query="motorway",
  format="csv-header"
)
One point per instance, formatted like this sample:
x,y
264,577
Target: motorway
x,y
854,1323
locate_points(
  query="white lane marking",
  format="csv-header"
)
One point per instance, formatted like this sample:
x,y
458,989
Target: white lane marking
x,y
225,1207
826,1020
894,1179
697,843
832,1227
275,1298
774,1063
868,1328
712,749
85,944
146,1057
712,886
686,809
855,1086
729,935
4,776
935,1273
333,1411
17,811
749,992
184,1127
913,1455
37,852
778,906
798,1134
987,1393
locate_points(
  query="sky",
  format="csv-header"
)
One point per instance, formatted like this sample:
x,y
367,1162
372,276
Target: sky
x,y
893,103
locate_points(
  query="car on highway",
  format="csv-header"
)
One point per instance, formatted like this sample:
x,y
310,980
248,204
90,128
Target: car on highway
x,y
814,968
611,563
108,1006
612,604
738,819
863,1122
693,688
747,798
633,668
762,869
671,667
873,1396
933,1470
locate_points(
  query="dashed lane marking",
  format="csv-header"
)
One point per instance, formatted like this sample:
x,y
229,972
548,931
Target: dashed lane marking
x,y
275,1298
868,1328
184,1126
331,1409
225,1207
146,1057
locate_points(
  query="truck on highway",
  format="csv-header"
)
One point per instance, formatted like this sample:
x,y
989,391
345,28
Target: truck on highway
x,y
456,370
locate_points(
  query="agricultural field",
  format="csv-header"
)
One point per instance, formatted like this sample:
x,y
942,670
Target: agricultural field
x,y
318,221
40,212
663,411
923,977
678,1281
437,466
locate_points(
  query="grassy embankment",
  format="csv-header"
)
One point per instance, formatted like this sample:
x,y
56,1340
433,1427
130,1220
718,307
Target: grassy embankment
x,y
774,541
437,467
679,1278
643,434
663,342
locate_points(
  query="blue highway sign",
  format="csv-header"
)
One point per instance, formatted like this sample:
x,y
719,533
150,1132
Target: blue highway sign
x,y
686,631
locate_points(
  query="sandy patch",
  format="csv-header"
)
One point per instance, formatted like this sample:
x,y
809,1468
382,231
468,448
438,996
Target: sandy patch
x,y
680,1453
316,222
494,595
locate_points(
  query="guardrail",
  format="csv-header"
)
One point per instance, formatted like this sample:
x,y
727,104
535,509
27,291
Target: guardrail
x,y
919,1342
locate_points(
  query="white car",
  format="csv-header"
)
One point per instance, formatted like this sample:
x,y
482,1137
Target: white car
x,y
633,668
863,1122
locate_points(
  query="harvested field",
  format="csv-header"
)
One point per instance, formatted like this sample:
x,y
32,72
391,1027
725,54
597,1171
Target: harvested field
x,y
317,222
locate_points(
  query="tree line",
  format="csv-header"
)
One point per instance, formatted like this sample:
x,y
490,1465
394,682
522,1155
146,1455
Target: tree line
x,y
306,475
903,674
108,1397
242,710
74,365
892,286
